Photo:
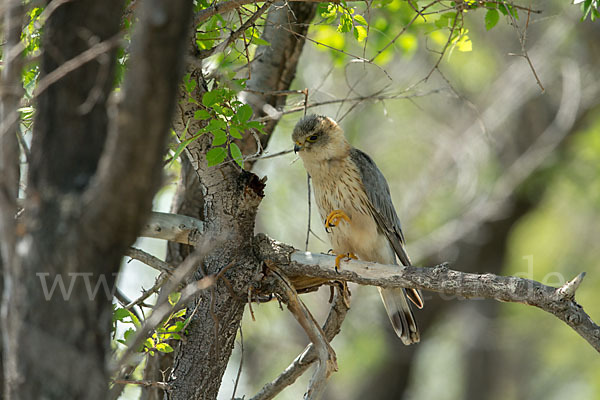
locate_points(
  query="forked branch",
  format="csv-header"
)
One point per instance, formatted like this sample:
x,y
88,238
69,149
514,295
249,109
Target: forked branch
x,y
332,327
324,354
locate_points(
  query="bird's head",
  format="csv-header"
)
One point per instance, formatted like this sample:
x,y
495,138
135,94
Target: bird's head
x,y
318,138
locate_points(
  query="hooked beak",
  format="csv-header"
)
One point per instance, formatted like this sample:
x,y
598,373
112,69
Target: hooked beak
x,y
297,148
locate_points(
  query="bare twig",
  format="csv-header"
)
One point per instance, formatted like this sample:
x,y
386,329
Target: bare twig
x,y
336,49
236,34
225,6
160,281
81,59
332,327
489,205
149,260
50,8
443,52
523,41
161,311
281,153
370,97
146,383
124,300
309,211
325,355
239,372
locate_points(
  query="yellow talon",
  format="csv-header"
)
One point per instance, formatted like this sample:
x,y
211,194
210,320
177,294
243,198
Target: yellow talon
x,y
334,218
339,258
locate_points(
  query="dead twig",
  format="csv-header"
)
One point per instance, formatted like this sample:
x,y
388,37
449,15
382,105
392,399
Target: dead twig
x,y
326,357
300,365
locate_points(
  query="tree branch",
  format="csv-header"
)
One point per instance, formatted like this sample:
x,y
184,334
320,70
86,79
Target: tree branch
x,y
149,260
332,327
173,227
229,5
556,301
323,353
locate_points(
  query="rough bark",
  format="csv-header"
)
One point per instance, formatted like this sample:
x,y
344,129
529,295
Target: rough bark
x,y
557,301
77,223
230,198
9,174
65,151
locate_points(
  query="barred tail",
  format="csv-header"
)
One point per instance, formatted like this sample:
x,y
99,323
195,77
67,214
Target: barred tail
x,y
401,315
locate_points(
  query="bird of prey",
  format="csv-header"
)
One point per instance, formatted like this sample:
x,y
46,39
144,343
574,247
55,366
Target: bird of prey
x,y
354,200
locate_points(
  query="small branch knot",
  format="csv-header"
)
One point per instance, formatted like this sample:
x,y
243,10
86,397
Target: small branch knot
x,y
574,318
441,269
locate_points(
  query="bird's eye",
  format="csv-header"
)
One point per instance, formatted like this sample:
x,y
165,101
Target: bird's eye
x,y
312,138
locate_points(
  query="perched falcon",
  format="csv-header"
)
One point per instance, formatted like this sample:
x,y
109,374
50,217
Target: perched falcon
x,y
354,201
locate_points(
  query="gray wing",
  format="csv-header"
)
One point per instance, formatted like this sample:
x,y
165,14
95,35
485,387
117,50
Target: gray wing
x,y
383,210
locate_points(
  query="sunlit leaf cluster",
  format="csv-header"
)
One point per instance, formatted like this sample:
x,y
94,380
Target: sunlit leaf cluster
x,y
227,119
170,329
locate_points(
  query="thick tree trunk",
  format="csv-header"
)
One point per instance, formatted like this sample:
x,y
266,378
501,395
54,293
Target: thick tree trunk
x,y
230,200
56,357
91,183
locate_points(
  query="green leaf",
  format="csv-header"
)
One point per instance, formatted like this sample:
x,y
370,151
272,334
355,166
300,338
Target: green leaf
x,y
149,343
360,19
134,319
244,113
179,313
215,156
255,125
360,33
183,145
210,98
201,114
176,328
168,336
235,132
164,348
506,9
492,17
345,23
219,137
446,20
128,334
328,11
120,314
174,298
259,42
189,83
586,8
215,124
236,154
228,112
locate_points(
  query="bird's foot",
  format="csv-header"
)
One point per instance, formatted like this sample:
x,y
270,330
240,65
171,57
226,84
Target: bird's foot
x,y
334,218
345,257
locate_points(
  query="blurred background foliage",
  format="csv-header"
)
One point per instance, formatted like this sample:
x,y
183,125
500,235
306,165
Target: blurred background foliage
x,y
487,172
